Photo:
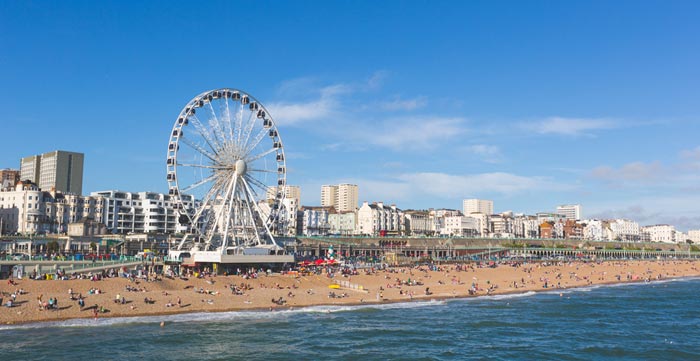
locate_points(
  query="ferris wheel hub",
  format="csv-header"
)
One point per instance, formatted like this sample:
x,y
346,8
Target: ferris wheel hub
x,y
240,167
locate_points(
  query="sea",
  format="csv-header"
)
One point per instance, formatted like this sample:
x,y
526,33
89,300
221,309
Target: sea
x,y
642,321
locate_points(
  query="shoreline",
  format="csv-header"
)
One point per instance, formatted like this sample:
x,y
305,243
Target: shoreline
x,y
253,311
217,302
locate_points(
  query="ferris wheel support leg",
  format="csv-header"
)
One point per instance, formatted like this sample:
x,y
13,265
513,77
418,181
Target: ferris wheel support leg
x,y
251,199
218,216
272,238
224,242
182,243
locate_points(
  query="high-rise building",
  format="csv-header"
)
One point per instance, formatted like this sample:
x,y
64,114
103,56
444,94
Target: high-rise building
x,y
29,168
470,206
570,211
342,197
58,170
347,197
329,195
290,192
8,178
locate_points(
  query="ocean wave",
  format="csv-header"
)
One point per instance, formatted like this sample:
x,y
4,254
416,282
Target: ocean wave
x,y
219,316
509,296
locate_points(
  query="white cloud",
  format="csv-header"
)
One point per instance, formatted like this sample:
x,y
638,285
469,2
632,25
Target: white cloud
x,y
408,186
399,104
487,153
631,172
569,126
416,133
287,113
377,79
458,186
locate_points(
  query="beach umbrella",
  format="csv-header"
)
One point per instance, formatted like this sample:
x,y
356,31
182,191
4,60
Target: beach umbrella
x,y
318,262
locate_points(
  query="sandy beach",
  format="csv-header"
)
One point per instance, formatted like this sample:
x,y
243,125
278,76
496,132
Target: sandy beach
x,y
122,297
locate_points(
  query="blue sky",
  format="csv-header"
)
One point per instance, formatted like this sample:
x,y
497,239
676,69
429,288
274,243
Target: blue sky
x,y
420,103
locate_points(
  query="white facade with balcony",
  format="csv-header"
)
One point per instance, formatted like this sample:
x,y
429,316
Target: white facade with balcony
x,y
624,230
375,219
663,233
142,212
342,223
315,221
27,210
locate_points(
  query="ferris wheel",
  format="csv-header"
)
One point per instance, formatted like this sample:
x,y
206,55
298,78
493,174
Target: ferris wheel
x,y
225,155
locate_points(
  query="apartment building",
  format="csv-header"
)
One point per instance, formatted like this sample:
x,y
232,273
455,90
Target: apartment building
x,y
342,197
470,206
142,212
26,209
58,170
378,220
315,221
570,211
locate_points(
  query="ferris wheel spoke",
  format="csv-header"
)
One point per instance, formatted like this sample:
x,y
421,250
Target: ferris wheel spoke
x,y
263,187
228,125
194,165
205,134
201,182
239,124
260,155
216,125
196,147
249,130
258,138
207,201
262,170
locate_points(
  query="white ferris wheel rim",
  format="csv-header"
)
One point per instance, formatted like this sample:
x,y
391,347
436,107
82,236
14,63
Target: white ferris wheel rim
x,y
229,151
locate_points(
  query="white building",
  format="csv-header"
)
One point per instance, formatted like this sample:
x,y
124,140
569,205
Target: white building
x,y
470,206
663,233
500,225
142,212
624,230
694,236
290,192
418,223
315,221
22,210
594,230
525,227
377,220
342,197
461,226
26,209
288,220
570,211
342,223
